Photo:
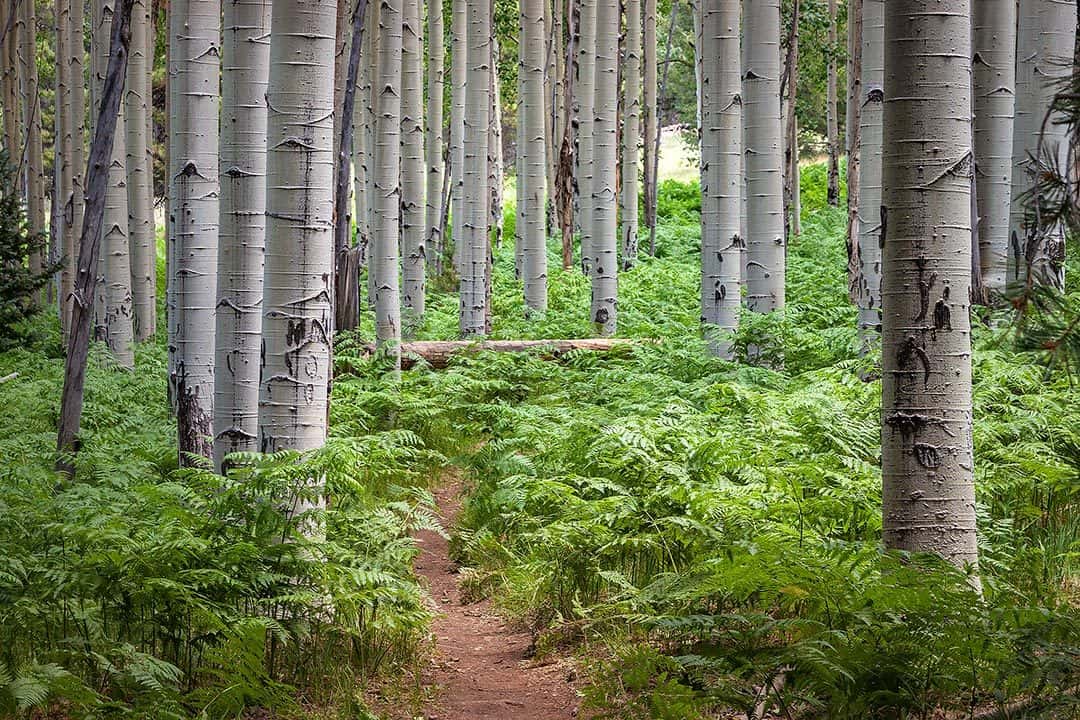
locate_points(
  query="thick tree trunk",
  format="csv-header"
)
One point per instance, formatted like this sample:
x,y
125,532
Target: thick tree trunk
x,y
297,307
928,497
71,399
765,243
459,29
195,29
603,243
413,232
650,123
721,173
433,147
832,131
585,97
533,156
631,136
242,241
474,248
140,184
994,67
870,151
387,200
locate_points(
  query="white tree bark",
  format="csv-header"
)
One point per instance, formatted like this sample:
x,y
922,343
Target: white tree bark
x,y
870,150
459,28
433,147
242,240
721,172
140,184
650,120
413,221
765,242
387,200
195,29
475,253
585,97
928,498
35,163
63,203
631,136
603,243
994,67
298,278
533,156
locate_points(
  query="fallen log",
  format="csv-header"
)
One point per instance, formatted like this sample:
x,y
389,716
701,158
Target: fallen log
x,y
437,353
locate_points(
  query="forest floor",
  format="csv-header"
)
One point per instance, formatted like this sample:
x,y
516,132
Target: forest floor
x,y
482,667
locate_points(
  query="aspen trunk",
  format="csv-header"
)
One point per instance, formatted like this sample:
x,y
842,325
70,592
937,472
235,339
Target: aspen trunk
x,y
870,168
364,144
928,498
533,156
242,239
387,200
341,62
140,188
564,174
297,308
77,79
459,29
791,128
721,172
832,131
9,84
852,141
603,243
195,30
553,98
372,122
650,124
765,243
585,96
495,144
62,164
116,322
35,163
413,223
474,241
433,148
994,67
631,136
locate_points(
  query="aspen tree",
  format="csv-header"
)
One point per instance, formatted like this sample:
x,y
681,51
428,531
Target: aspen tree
x,y
9,83
433,140
139,181
721,171
62,163
364,138
765,242
631,136
533,153
297,296
495,142
553,98
851,142
474,249
77,83
242,238
792,190
994,67
870,152
387,196
650,119
413,225
603,243
928,497
832,131
459,28
35,163
585,96
341,61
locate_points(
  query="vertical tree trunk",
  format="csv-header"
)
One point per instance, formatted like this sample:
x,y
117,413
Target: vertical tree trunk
x,y
870,151
412,165
852,124
585,95
385,260
372,141
35,163
195,30
459,29
62,207
77,79
140,183
994,66
117,321
928,497
791,127
553,95
650,120
242,239
832,130
433,148
341,62
631,136
71,399
564,174
364,140
9,83
603,243
765,243
534,155
721,172
495,143
297,308
474,240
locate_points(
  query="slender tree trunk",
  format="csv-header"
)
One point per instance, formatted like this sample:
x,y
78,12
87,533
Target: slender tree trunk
x,y
585,96
474,241
870,153
721,172
928,498
373,115
242,239
534,155
10,82
832,130
495,144
385,259
459,29
414,259
195,30
364,137
341,62
650,121
791,127
62,164
765,243
994,65
433,147
35,163
140,186
553,94
71,400
297,301
603,242
117,321
564,175
77,79
631,136
853,141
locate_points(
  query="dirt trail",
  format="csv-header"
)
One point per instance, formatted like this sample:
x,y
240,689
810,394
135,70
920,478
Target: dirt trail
x,y
480,665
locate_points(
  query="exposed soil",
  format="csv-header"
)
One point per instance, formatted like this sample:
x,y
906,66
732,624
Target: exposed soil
x,y
481,666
